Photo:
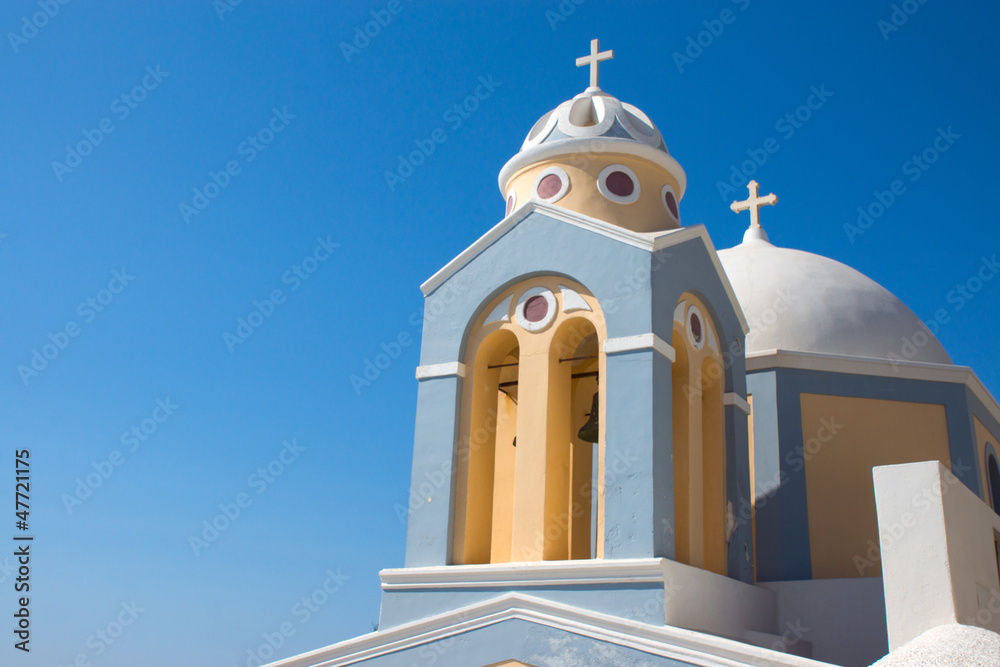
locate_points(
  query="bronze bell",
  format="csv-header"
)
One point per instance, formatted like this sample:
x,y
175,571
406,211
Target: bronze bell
x,y
588,432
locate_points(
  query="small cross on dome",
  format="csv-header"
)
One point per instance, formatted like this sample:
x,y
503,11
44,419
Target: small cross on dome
x,y
594,59
753,204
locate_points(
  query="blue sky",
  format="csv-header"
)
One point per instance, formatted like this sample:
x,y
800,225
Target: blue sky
x,y
307,130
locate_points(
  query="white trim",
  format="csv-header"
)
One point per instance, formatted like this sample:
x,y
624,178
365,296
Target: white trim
x,y
602,184
732,398
537,573
590,146
837,363
673,237
550,314
501,313
572,301
441,370
695,311
563,184
603,117
651,242
649,341
651,138
688,646
544,129
677,202
909,370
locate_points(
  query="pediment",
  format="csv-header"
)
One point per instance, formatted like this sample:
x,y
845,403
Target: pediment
x,y
650,242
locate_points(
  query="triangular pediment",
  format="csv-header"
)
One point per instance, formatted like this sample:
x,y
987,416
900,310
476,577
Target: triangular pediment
x,y
651,242
668,644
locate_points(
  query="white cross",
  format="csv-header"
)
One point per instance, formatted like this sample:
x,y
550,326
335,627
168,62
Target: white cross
x,y
753,203
593,59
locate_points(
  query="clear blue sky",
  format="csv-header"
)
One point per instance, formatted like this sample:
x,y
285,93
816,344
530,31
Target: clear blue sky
x,y
318,172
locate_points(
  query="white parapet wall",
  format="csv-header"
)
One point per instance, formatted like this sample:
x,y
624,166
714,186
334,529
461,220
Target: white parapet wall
x,y
938,551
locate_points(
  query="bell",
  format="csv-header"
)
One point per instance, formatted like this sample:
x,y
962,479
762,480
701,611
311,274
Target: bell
x,y
588,432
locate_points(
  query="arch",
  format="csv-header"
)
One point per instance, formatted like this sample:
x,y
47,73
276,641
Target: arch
x,y
525,479
993,477
699,450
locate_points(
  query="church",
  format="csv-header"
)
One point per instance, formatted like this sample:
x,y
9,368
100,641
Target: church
x,y
634,449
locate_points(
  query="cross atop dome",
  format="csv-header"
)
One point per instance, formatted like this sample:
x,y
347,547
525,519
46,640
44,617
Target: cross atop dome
x,y
753,204
594,60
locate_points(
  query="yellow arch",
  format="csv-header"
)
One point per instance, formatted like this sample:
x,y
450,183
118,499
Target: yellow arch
x,y
529,499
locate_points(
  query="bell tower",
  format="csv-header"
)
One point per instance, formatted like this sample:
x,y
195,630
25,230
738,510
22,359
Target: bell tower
x,y
581,413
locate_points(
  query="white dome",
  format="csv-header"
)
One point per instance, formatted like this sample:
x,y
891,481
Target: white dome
x,y
798,301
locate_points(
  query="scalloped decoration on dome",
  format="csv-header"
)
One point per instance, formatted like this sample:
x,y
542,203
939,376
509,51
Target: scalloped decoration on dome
x,y
591,114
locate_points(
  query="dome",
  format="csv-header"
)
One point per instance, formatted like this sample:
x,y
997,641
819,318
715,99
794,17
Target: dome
x,y
594,122
797,301
594,113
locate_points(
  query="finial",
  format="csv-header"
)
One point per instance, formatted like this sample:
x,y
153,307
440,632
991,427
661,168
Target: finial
x,y
753,204
593,60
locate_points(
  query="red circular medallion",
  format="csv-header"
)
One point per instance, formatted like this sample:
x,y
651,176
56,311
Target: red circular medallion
x,y
536,308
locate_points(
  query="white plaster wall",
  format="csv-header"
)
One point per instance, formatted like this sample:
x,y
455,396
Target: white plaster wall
x,y
701,600
939,563
843,619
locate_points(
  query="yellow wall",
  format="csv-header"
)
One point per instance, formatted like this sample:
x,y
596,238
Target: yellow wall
x,y
983,436
646,214
843,439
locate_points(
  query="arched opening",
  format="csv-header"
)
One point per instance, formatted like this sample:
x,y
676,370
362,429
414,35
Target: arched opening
x,y
529,464
486,461
698,381
993,474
